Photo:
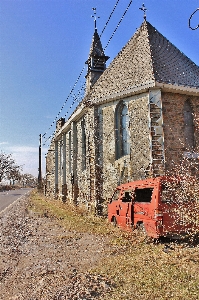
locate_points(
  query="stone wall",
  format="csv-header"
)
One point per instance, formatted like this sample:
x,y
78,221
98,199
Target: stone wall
x,y
174,134
132,67
134,165
69,160
74,182
86,175
155,115
109,175
140,157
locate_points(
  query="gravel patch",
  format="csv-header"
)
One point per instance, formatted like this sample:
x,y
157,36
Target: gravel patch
x,y
40,260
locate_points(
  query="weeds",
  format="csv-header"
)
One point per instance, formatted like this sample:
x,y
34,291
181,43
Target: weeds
x,y
136,268
72,217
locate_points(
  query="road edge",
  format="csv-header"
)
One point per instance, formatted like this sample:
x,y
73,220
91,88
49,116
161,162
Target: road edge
x,y
13,203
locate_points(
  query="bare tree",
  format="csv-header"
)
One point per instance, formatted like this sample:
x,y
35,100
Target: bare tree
x,y
183,193
28,180
8,167
14,174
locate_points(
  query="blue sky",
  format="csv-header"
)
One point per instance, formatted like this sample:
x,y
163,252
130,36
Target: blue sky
x,y
43,47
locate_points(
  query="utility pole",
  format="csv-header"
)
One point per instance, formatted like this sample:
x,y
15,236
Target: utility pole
x,y
40,175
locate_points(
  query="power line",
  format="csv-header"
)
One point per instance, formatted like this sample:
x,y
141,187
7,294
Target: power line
x,y
65,101
109,17
75,97
119,23
78,76
84,67
190,20
116,26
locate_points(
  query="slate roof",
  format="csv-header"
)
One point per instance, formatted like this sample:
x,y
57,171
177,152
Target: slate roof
x,y
147,58
96,46
170,65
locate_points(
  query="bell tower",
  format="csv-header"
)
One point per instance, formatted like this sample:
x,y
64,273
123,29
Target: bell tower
x,y
97,59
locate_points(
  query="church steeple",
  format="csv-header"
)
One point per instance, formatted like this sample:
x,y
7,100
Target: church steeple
x,y
96,61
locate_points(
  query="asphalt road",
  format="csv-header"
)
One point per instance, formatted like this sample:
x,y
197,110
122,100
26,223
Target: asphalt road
x,y
8,197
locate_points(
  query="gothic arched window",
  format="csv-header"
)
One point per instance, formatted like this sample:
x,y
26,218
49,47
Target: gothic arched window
x,y
122,146
188,125
69,152
83,127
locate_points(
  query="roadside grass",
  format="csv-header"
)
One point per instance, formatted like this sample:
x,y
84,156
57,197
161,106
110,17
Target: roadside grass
x,y
136,268
146,272
72,218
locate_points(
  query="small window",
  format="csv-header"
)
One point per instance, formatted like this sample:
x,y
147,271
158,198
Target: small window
x,y
143,195
116,195
127,197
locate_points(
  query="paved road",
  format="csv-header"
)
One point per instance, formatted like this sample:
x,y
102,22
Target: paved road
x,y
8,197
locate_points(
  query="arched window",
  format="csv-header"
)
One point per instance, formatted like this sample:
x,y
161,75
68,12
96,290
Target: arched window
x,y
69,152
188,126
61,157
122,146
83,127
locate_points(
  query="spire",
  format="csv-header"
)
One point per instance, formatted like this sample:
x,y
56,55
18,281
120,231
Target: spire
x,y
97,59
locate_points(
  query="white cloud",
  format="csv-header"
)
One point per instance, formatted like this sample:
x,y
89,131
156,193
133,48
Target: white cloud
x,y
25,149
4,143
28,158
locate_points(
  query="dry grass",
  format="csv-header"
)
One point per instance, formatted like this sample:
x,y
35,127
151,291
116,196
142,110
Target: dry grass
x,y
71,217
144,271
137,269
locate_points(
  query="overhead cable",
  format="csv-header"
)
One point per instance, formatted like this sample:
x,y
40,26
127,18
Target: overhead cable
x,y
119,23
84,66
75,99
65,101
190,20
109,17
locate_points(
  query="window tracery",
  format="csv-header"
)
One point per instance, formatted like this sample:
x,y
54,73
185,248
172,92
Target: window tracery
x,y
122,145
83,144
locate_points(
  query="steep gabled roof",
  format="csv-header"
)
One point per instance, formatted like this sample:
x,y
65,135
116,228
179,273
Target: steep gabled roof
x,y
170,65
147,58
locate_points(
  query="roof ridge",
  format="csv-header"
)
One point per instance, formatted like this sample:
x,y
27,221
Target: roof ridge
x,y
148,56
170,65
148,23
134,36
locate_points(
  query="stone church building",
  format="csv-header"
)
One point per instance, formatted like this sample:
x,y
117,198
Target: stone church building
x,y
139,118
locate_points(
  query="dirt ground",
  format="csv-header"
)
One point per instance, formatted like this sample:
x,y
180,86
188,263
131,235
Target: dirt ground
x,y
40,260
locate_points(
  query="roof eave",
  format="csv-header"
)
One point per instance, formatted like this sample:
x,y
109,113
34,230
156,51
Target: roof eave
x,y
138,89
179,89
78,114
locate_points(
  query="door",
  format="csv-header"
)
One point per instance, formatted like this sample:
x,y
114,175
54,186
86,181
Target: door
x,y
125,209
144,209
113,206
